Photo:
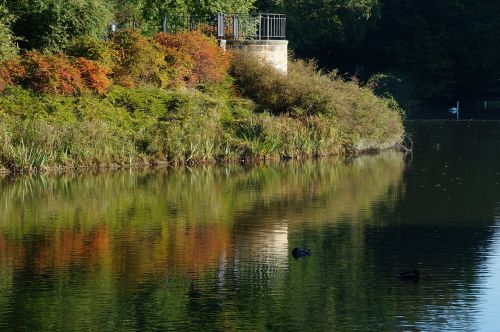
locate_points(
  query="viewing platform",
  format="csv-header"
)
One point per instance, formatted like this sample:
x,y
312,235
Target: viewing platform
x,y
263,34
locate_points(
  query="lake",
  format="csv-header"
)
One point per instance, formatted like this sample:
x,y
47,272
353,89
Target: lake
x,y
209,247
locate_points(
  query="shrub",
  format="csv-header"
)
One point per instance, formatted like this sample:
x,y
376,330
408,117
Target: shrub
x,y
363,120
195,57
92,48
392,86
11,72
94,75
55,74
139,60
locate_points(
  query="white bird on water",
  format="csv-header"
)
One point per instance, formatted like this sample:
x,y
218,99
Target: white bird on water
x,y
455,110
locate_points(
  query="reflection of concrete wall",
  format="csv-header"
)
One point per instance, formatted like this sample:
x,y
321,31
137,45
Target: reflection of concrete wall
x,y
273,51
264,249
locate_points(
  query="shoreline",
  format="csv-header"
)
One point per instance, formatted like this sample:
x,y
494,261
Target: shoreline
x,y
157,165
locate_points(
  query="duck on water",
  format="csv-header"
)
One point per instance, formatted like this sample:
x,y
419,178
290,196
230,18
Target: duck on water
x,y
300,252
409,275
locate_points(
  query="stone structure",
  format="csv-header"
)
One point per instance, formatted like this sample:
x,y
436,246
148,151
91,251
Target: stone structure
x,y
274,52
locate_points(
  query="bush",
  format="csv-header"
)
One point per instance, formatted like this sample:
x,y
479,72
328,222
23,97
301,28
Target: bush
x,y
55,74
363,120
139,60
392,86
94,75
11,72
194,57
92,48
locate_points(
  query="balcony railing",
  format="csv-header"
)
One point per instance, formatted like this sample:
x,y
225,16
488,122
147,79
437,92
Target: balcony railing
x,y
231,27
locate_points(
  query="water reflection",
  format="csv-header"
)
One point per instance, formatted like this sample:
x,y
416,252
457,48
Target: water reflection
x,y
209,248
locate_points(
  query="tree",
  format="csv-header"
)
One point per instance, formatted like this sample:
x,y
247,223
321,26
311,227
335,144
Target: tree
x,y
327,30
52,24
150,13
7,47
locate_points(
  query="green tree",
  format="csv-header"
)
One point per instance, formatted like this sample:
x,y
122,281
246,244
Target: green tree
x,y
325,29
149,13
7,47
52,24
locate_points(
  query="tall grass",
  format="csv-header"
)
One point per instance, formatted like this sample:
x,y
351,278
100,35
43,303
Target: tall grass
x,y
304,114
335,111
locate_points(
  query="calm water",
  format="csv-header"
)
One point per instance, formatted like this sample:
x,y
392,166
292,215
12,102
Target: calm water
x,y
208,248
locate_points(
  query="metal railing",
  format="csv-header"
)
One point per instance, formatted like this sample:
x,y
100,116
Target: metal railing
x,y
231,27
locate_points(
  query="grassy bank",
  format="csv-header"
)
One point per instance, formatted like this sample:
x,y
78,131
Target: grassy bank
x,y
252,112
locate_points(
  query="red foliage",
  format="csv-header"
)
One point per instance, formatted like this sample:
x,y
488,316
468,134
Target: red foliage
x,y
11,72
195,57
54,74
94,75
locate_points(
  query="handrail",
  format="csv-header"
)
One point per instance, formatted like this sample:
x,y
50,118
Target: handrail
x,y
262,26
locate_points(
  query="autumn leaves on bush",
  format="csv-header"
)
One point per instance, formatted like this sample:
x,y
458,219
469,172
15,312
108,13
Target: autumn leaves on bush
x,y
127,58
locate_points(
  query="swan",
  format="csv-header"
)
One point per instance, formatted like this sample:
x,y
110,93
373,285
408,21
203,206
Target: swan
x,y
455,110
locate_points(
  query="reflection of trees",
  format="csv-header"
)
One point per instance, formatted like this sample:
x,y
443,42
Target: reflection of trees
x,y
158,246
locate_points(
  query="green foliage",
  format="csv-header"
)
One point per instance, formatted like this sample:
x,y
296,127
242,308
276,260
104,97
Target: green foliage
x,y
321,29
362,120
148,125
7,47
149,13
92,48
53,24
139,60
396,87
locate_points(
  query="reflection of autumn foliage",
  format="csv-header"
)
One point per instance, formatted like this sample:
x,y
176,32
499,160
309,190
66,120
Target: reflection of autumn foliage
x,y
188,250
196,249
176,247
73,248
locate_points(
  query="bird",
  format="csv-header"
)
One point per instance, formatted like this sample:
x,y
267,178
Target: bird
x,y
409,275
301,252
455,110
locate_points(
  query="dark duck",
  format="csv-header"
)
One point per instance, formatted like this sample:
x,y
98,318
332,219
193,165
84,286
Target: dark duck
x,y
409,275
301,252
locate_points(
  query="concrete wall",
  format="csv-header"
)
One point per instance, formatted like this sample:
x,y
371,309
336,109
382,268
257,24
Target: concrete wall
x,y
273,51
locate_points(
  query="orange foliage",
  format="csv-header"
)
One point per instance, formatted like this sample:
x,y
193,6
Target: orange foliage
x,y
11,72
55,74
94,75
195,57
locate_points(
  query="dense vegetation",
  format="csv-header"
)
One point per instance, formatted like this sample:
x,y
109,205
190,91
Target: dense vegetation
x,y
73,94
443,48
435,49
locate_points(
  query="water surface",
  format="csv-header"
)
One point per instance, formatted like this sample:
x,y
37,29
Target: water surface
x,y
208,248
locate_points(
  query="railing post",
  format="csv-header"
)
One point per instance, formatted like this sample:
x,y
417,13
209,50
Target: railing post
x,y
164,23
236,27
267,23
260,26
220,25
